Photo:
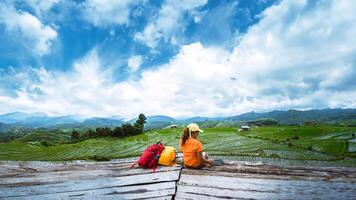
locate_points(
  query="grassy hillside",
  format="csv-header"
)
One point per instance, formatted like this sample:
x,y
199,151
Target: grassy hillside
x,y
284,144
49,136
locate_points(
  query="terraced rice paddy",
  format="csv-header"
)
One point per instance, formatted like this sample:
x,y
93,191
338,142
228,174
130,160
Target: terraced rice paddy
x,y
282,145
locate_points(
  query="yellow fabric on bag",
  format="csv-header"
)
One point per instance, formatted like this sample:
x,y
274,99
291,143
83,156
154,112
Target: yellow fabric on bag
x,y
168,156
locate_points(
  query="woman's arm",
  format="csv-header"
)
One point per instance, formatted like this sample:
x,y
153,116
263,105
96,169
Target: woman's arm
x,y
203,160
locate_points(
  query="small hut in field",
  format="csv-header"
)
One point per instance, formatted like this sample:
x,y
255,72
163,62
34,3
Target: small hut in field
x,y
244,128
172,126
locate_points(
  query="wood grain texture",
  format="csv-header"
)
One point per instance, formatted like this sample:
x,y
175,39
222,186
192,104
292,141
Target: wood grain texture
x,y
224,187
37,178
30,188
274,172
163,190
240,181
114,180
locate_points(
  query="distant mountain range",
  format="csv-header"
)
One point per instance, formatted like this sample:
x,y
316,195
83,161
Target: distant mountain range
x,y
17,120
296,117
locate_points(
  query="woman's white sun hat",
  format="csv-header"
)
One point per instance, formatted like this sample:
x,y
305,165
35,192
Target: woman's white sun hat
x,y
193,127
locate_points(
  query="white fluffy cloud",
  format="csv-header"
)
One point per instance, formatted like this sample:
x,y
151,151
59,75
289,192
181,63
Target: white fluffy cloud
x,y
168,21
29,26
134,62
83,90
298,56
108,12
41,6
87,89
298,49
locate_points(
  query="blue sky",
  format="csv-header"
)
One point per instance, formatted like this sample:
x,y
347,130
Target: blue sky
x,y
176,57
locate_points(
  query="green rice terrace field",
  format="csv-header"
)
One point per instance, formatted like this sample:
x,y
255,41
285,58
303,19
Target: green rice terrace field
x,y
281,145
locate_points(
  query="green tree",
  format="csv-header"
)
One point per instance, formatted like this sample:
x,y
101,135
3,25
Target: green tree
x,y
139,124
75,135
45,143
128,129
90,133
117,132
103,132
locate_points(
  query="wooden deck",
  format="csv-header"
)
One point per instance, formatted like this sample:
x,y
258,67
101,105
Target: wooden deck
x,y
113,180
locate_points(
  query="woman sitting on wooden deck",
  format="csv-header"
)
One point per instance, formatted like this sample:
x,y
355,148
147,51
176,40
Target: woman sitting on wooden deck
x,y
192,149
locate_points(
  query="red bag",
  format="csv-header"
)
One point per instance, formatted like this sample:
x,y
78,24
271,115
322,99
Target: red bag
x,y
150,157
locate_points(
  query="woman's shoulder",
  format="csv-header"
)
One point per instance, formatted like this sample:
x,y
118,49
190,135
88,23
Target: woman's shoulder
x,y
195,141
190,141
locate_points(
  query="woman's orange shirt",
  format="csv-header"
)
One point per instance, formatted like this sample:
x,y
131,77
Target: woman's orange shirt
x,y
190,149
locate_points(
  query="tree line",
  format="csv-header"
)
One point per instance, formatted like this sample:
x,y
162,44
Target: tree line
x,y
124,130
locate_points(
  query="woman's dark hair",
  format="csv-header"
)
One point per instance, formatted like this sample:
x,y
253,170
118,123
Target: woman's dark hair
x,y
185,135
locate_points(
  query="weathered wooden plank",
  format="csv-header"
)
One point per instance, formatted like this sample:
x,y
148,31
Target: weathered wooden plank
x,y
34,166
38,165
264,188
189,196
25,169
170,197
278,173
113,180
99,183
220,193
159,190
295,171
61,176
258,176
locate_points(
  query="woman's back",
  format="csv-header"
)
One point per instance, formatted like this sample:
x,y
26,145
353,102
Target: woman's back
x,y
190,149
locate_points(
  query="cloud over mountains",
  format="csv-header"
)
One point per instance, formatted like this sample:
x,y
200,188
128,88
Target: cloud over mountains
x,y
298,54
